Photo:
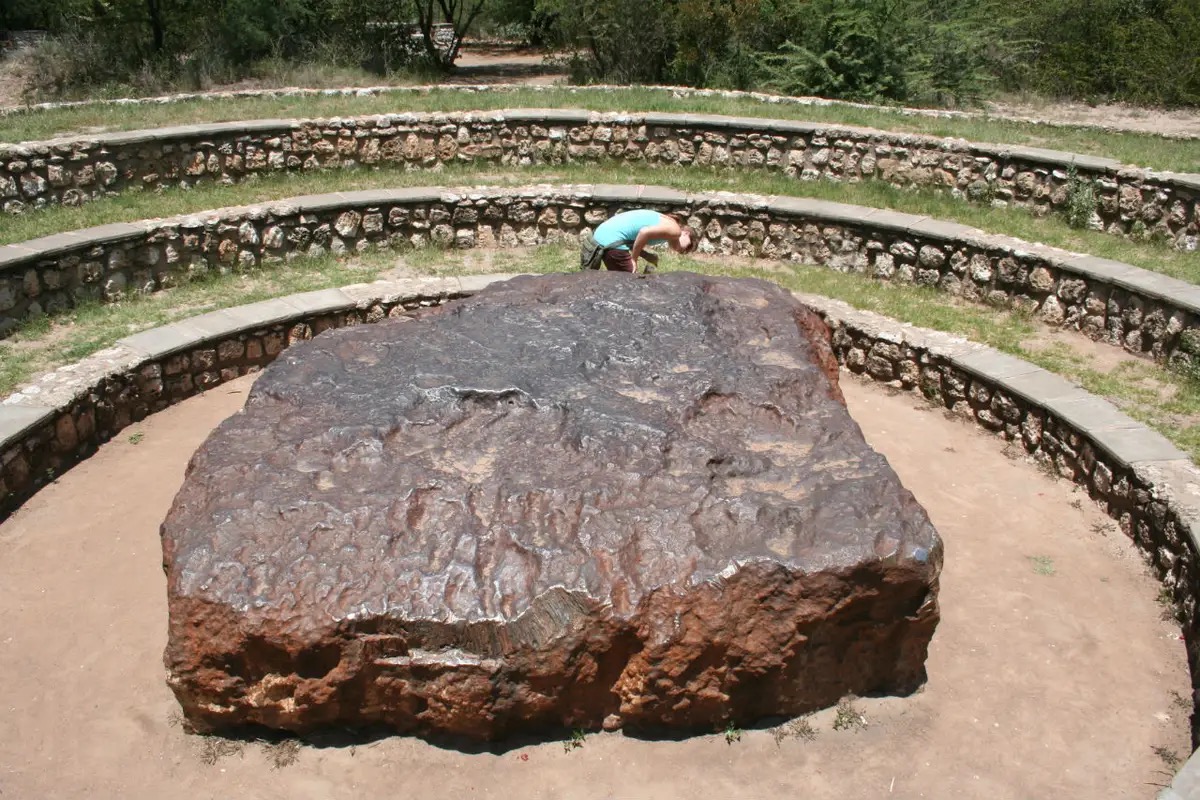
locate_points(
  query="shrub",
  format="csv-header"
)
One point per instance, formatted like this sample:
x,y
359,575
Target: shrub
x,y
1139,50
855,50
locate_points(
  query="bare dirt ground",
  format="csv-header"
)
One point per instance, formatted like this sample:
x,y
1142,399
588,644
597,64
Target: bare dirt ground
x,y
1053,672
504,64
1118,116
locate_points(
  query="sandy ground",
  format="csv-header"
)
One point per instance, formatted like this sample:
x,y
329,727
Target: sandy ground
x,y
1118,116
1051,674
494,64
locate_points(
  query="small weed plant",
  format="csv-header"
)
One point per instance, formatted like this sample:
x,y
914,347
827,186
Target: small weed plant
x,y
575,740
1168,756
1042,565
214,748
799,728
1081,200
848,717
1047,466
282,754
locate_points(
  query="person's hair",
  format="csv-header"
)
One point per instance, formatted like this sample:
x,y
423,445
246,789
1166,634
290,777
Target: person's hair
x,y
692,238
691,232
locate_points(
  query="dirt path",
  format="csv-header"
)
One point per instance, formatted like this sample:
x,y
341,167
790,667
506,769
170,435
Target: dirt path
x,y
504,64
1052,673
1118,116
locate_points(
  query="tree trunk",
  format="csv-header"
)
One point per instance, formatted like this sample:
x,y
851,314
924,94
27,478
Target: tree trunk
x,y
460,14
425,13
156,24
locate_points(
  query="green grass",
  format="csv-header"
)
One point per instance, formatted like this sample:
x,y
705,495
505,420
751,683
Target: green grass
x,y
1163,399
1166,400
1131,148
16,367
1017,222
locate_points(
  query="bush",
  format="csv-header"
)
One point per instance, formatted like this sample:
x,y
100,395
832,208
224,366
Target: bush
x,y
78,61
960,48
23,15
518,20
152,46
1145,51
719,42
855,50
914,51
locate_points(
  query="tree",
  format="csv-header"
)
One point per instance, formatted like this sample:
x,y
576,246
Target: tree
x,y
967,45
1141,50
386,25
158,29
717,42
460,14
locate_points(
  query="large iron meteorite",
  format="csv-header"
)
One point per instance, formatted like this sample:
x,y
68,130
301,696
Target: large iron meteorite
x,y
567,501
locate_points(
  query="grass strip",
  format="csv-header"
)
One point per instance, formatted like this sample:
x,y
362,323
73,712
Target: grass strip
x,y
1143,149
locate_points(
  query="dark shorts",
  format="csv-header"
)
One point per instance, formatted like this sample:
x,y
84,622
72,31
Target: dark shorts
x,y
619,261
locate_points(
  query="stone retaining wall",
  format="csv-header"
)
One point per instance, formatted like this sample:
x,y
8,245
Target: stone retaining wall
x,y
70,171
1143,312
1148,486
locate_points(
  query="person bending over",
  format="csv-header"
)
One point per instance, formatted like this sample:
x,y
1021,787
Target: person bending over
x,y
621,240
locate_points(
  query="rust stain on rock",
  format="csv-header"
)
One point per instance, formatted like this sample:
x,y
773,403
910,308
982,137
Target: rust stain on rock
x,y
570,500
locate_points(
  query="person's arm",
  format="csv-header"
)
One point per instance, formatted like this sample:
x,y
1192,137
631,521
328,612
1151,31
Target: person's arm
x,y
666,228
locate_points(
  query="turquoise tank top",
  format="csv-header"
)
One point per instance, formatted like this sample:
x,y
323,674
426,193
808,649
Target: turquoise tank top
x,y
624,228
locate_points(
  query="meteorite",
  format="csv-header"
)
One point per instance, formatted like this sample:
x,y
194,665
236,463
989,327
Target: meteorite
x,y
567,501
